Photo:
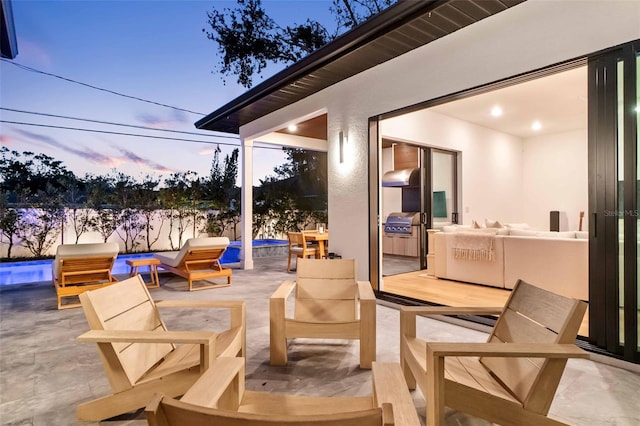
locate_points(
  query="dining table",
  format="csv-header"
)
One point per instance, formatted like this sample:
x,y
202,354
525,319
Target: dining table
x,y
320,237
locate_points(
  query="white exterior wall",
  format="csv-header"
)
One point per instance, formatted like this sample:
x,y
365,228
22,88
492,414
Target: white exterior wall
x,y
527,37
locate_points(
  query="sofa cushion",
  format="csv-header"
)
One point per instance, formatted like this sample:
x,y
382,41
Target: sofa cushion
x,y
554,234
516,232
517,225
582,235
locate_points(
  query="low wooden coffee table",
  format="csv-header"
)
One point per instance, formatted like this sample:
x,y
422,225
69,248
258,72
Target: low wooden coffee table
x,y
152,263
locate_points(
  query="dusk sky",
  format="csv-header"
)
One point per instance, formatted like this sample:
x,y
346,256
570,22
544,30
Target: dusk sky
x,y
153,50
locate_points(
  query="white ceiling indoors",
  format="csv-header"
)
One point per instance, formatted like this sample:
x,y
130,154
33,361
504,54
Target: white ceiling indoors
x,y
558,102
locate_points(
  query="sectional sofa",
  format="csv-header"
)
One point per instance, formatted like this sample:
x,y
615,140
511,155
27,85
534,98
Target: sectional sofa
x,y
556,261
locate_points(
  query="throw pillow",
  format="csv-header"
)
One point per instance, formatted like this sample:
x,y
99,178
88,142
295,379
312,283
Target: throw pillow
x,y
475,224
492,223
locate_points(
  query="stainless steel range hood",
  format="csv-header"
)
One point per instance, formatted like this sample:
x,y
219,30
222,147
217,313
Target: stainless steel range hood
x,y
401,177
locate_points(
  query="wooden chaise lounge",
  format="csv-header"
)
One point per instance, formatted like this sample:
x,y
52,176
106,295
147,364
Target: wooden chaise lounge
x,y
198,259
81,267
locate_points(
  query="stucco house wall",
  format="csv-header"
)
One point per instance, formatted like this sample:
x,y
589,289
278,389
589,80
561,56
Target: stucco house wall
x,y
529,36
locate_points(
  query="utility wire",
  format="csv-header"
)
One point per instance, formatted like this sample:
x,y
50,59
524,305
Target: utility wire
x,y
129,134
26,68
117,124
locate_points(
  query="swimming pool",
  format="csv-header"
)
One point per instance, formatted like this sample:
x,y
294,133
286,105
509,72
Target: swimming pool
x,y
40,270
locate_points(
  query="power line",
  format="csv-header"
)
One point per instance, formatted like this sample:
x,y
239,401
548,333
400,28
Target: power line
x,y
116,124
26,68
127,134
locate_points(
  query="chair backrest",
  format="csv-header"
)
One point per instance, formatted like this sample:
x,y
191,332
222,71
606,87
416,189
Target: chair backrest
x,y
534,315
217,246
79,251
171,412
326,290
125,305
296,239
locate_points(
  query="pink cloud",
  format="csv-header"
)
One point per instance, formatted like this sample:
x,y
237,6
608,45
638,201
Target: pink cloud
x,y
33,53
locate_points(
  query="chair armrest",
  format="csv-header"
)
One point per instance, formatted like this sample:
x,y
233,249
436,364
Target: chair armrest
x,y
451,310
408,315
284,290
143,336
512,350
216,381
237,308
365,291
389,387
186,303
206,340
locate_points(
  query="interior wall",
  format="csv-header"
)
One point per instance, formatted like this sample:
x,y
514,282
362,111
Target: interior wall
x,y
491,162
391,197
554,177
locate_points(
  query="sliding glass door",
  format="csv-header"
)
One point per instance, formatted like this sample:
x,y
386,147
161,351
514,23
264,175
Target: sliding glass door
x,y
614,168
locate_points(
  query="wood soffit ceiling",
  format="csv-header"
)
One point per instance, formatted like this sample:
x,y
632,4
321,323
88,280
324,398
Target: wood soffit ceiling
x,y
313,128
403,27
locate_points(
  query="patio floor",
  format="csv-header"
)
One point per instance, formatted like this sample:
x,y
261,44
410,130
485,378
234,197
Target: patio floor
x,y
45,373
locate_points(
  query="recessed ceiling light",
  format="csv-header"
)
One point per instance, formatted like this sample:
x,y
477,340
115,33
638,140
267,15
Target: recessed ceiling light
x,y
536,126
496,111
292,127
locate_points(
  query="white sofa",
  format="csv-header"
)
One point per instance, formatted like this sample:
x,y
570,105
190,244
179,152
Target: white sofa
x,y
555,261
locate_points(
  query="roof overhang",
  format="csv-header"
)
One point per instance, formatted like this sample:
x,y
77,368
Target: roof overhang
x,y
8,39
401,28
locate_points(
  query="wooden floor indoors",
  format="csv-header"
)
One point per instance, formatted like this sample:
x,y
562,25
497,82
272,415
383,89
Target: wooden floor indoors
x,y
418,285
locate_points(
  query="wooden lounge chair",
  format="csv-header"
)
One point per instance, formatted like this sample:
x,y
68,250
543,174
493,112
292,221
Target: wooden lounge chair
x,y
81,267
300,248
219,398
512,378
198,259
327,301
139,353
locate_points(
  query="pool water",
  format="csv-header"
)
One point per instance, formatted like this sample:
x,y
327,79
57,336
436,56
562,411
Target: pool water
x,y
40,270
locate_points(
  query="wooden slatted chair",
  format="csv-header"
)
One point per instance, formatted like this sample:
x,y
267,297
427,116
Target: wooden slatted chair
x,y
81,267
300,248
198,259
329,304
140,355
512,378
219,398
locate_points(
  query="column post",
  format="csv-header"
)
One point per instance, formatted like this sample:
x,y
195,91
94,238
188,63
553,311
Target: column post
x,y
246,252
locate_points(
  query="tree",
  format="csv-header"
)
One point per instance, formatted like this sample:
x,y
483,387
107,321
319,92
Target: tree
x,y
249,40
178,197
100,193
129,225
223,194
146,196
9,224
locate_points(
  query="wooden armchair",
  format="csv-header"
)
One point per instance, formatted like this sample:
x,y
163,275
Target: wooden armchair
x,y
300,248
219,398
81,267
327,301
139,353
512,378
198,259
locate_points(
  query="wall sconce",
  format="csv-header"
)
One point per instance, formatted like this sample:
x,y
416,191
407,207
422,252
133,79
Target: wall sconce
x,y
342,140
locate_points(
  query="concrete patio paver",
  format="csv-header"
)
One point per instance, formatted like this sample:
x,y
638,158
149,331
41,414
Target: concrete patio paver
x,y
45,373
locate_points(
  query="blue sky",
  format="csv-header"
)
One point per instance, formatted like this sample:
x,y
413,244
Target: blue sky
x,y
153,50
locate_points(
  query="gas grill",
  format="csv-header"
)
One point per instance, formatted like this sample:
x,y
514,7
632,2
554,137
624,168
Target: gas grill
x,y
400,223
